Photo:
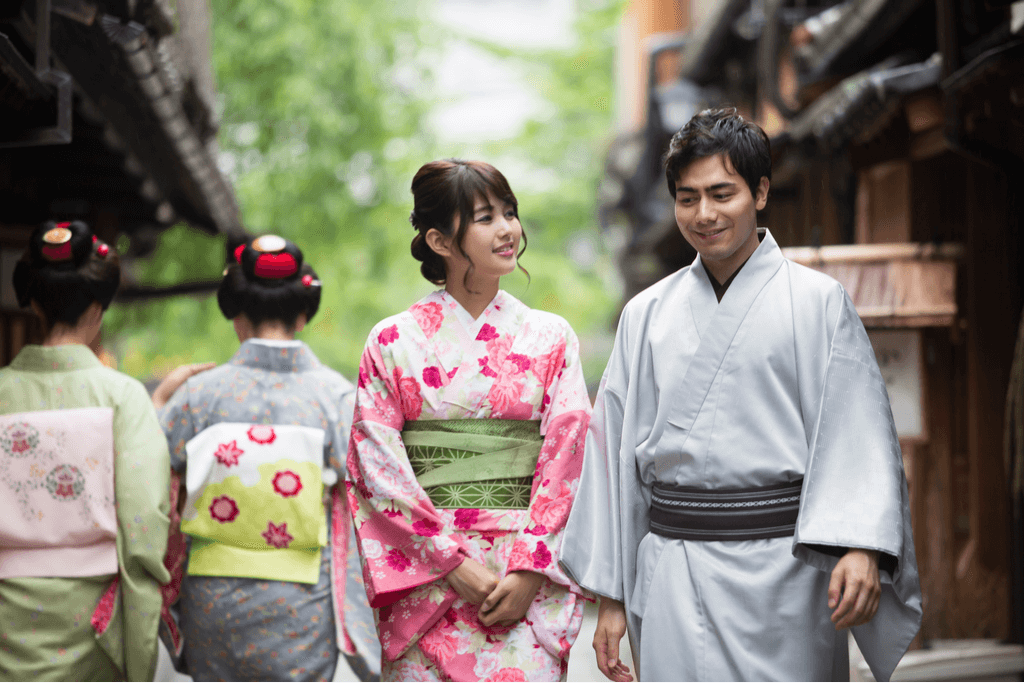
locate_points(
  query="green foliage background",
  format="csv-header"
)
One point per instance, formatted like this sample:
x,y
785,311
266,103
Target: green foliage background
x,y
325,142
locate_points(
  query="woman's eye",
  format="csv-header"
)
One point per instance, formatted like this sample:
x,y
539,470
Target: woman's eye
x,y
483,218
510,214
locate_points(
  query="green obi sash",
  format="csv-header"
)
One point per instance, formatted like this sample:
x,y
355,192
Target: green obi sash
x,y
475,463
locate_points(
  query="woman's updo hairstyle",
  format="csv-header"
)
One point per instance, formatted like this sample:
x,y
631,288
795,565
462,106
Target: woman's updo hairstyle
x,y
445,189
269,281
65,269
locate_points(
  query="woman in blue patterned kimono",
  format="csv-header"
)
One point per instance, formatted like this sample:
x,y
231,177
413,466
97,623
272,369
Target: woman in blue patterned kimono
x,y
260,442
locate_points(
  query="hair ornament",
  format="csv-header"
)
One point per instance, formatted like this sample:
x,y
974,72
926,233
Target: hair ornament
x,y
275,266
238,253
57,243
269,243
103,250
309,281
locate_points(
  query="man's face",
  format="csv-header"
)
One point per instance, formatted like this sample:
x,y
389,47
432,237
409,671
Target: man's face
x,y
717,214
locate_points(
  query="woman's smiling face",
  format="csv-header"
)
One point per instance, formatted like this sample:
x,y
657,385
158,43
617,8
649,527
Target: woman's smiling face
x,y
491,241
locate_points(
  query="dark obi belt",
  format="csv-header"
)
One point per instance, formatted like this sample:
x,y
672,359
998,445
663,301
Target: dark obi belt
x,y
694,514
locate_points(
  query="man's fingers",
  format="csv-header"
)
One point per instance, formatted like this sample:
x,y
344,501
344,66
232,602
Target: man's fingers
x,y
835,586
855,616
850,594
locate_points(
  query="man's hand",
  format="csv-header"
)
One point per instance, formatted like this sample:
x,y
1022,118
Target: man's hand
x,y
472,581
855,587
175,379
611,626
509,601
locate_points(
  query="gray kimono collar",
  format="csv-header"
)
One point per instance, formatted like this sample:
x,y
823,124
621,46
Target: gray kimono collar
x,y
296,358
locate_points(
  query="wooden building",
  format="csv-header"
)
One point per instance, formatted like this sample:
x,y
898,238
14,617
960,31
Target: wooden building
x,y
898,169
109,116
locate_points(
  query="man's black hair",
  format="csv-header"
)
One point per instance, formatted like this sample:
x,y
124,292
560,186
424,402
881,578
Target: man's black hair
x,y
717,131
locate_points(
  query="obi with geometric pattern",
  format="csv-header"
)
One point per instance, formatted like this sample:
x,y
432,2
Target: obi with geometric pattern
x,y
693,514
57,514
475,463
255,502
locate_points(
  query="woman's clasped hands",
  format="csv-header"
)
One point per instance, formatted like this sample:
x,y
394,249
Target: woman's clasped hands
x,y
502,601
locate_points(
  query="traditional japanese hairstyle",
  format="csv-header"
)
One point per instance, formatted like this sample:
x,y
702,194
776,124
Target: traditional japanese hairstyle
x,y
65,269
445,189
269,281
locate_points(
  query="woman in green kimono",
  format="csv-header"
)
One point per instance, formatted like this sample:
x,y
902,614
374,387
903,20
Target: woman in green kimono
x,y
83,482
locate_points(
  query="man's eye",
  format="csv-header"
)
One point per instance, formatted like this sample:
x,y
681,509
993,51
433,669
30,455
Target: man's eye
x,y
723,197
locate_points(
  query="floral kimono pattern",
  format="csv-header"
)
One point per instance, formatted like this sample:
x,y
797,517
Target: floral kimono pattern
x,y
244,623
434,362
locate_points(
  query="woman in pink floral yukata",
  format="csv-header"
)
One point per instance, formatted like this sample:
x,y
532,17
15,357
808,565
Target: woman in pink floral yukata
x,y
466,449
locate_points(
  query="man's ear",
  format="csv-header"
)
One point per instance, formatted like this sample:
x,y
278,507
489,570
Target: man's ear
x,y
761,198
440,244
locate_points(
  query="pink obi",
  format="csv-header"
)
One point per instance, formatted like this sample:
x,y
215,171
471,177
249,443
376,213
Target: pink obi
x,y
57,514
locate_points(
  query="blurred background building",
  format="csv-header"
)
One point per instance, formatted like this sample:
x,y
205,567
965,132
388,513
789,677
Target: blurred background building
x,y
109,115
898,154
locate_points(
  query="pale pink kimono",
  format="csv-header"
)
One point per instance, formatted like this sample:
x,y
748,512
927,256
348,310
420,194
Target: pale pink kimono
x,y
435,362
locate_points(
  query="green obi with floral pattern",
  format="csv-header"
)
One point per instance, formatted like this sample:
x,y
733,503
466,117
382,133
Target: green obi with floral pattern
x,y
474,463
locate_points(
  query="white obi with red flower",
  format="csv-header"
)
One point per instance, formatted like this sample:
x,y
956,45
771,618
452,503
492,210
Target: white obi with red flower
x,y
57,516
255,502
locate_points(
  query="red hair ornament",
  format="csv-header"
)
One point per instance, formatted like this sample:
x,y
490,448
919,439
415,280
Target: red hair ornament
x,y
57,243
275,266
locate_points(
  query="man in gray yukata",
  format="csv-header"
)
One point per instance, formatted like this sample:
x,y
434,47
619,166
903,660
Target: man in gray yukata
x,y
743,500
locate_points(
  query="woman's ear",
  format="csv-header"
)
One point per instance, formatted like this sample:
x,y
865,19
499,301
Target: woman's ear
x,y
439,244
300,322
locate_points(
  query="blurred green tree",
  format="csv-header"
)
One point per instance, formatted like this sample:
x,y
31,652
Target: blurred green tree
x,y
322,131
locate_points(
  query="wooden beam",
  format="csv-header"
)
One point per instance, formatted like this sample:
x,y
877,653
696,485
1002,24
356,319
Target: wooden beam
x,y
874,253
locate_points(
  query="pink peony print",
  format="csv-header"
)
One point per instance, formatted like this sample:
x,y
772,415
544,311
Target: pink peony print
x,y
465,518
397,560
541,556
504,394
439,645
538,530
432,377
546,365
224,509
429,316
277,536
485,367
287,483
364,378
508,674
261,434
425,527
409,394
552,512
388,335
519,558
516,363
487,333
227,454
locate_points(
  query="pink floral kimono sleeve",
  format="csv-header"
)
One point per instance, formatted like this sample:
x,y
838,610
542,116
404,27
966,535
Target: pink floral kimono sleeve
x,y
566,414
396,524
